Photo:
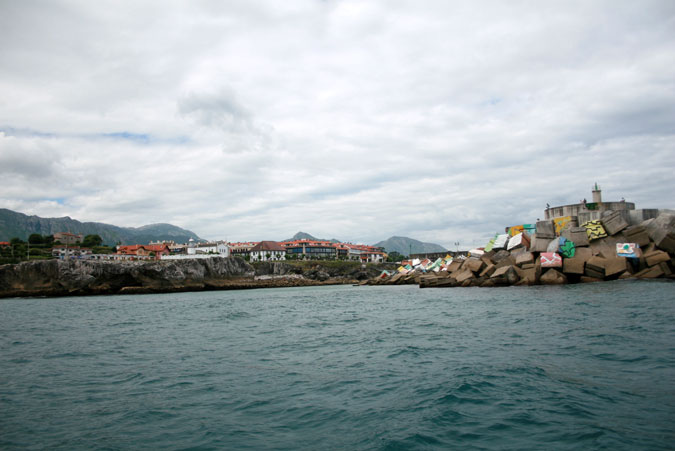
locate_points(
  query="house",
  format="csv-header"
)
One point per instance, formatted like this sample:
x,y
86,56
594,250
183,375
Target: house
x,y
219,247
66,252
143,251
268,251
68,238
242,249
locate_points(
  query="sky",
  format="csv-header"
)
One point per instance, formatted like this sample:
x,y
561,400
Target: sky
x,y
444,121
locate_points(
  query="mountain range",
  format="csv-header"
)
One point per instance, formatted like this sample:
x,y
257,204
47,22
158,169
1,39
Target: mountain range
x,y
15,224
406,246
401,244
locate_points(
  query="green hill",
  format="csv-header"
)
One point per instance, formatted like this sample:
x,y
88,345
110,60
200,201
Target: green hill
x,y
14,224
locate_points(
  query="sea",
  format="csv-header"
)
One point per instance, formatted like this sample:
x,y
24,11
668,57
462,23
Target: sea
x,y
587,366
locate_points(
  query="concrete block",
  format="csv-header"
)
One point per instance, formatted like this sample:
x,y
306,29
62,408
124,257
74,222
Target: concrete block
x,y
577,235
464,275
588,279
454,266
528,265
563,222
615,266
574,265
656,257
594,230
666,268
551,260
488,270
501,242
475,265
650,273
553,277
539,243
518,241
597,263
660,227
529,275
525,258
637,234
507,274
545,229
500,255
628,250
614,223
589,272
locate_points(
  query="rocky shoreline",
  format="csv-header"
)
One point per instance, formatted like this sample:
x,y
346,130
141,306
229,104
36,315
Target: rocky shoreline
x,y
82,277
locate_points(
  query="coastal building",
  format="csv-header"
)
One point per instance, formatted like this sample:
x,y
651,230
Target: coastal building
x,y
64,252
328,250
242,249
268,251
142,251
68,238
311,249
219,247
589,211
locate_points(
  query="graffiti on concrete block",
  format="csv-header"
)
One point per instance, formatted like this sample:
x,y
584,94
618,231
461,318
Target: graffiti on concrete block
x,y
566,247
594,230
560,223
551,260
628,250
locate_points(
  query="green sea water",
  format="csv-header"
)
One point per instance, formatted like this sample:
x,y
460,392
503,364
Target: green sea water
x,y
392,367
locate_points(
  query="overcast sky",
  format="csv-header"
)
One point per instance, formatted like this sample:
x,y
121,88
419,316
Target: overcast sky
x,y
440,120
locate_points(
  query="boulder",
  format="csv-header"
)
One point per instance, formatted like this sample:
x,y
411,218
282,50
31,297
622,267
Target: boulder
x,y
588,279
553,277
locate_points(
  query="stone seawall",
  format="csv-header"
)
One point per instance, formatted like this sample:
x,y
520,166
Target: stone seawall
x,y
81,277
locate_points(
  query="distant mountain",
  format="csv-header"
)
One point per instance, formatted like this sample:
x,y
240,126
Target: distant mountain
x,y
14,224
406,246
307,236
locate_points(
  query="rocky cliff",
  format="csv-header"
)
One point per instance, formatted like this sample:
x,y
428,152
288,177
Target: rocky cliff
x,y
76,277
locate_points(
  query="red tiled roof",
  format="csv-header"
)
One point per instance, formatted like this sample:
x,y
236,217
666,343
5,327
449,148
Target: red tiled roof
x,y
268,246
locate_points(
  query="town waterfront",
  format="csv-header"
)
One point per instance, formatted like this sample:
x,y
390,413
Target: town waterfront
x,y
385,367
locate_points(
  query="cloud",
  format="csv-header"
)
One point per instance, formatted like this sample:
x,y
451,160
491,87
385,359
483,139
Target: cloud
x,y
346,119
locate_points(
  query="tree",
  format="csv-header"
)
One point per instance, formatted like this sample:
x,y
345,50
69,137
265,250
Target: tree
x,y
92,240
395,257
35,238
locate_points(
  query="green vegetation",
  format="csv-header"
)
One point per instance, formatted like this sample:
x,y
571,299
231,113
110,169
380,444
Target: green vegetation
x,y
38,247
396,257
92,241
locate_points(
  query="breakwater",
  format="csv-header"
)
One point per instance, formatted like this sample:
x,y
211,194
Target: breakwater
x,y
557,253
81,277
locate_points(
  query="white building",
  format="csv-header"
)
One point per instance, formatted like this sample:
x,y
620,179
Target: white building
x,y
268,251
